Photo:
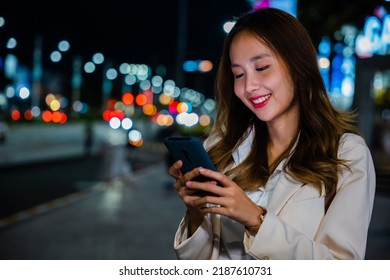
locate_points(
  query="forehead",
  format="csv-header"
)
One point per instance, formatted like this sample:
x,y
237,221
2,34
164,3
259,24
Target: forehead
x,y
246,45
245,39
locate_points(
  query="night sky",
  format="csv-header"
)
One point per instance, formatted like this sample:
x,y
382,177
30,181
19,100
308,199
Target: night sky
x,y
147,31
131,31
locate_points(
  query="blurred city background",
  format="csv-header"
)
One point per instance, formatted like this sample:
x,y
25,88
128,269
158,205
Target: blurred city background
x,y
88,91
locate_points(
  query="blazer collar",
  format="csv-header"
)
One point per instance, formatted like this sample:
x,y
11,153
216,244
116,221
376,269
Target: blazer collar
x,y
286,185
242,151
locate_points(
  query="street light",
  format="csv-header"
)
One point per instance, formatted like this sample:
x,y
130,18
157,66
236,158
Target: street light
x,y
228,26
2,21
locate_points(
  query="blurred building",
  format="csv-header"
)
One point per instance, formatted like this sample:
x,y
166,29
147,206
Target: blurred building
x,y
355,64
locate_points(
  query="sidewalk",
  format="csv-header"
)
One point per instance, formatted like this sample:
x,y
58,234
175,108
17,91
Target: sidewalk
x,y
118,222
133,223
106,221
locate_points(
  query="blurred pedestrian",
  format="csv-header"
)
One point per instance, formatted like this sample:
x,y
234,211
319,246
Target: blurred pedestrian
x,y
88,138
120,171
295,180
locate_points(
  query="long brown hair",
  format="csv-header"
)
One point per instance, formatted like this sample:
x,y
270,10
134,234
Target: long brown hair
x,y
314,159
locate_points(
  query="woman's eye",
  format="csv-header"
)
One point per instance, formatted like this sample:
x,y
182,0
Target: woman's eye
x,y
262,68
237,76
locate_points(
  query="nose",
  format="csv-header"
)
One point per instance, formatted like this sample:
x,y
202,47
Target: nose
x,y
251,83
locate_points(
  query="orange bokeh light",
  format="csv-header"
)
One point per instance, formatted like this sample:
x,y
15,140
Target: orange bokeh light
x,y
141,99
205,66
47,116
149,109
127,98
64,118
56,117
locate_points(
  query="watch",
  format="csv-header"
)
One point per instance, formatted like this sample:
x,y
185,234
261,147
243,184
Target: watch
x,y
261,217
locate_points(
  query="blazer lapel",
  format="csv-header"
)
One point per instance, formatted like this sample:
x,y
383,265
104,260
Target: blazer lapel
x,y
284,189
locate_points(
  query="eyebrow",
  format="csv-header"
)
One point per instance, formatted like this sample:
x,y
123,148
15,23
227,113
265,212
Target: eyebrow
x,y
253,59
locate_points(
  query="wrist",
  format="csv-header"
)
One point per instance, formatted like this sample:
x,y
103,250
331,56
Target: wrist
x,y
252,230
193,221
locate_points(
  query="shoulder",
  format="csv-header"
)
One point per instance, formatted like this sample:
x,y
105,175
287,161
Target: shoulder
x,y
352,138
360,168
351,141
353,147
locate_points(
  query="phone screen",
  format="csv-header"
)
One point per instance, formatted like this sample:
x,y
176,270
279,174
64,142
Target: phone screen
x,y
191,151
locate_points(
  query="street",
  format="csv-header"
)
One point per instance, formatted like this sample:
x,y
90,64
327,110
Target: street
x,y
78,207
58,202
26,186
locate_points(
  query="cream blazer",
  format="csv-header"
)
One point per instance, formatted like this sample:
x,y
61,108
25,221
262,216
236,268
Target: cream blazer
x,y
296,225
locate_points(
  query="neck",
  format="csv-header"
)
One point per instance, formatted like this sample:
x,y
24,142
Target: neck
x,y
280,137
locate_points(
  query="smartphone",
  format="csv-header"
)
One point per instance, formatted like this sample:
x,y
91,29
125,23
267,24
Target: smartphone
x,y
191,151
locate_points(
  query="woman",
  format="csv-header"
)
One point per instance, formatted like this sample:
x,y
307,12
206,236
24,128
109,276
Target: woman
x,y
295,180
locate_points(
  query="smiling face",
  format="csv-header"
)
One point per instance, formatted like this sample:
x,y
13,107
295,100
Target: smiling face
x,y
261,82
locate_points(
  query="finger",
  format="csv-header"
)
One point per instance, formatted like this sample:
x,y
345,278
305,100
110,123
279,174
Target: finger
x,y
174,170
206,199
206,187
180,184
191,174
217,176
194,173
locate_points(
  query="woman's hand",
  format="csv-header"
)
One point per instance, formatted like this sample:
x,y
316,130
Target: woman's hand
x,y
226,198
188,195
